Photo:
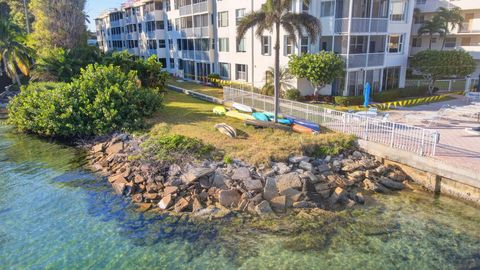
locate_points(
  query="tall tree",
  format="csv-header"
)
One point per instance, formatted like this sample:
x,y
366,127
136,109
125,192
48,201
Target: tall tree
x,y
58,23
16,10
451,18
14,55
274,15
432,27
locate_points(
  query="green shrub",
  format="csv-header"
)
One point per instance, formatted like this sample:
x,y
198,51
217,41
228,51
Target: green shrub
x,y
171,147
396,94
268,90
348,100
292,94
214,79
103,99
227,160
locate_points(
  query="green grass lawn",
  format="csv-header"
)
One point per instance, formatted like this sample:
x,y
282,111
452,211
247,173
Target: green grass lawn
x,y
197,87
191,117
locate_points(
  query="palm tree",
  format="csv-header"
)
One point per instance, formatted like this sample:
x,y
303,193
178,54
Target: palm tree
x,y
432,27
273,15
285,80
451,18
13,52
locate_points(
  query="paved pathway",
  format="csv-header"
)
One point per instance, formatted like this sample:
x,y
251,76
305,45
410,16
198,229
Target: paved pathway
x,y
456,145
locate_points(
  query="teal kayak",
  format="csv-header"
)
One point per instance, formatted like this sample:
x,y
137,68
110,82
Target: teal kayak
x,y
260,116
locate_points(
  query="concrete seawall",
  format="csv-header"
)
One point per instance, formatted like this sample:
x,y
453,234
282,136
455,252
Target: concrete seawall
x,y
435,175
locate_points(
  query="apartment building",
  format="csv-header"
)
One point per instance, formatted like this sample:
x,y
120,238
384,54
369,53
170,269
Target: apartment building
x,y
194,38
466,37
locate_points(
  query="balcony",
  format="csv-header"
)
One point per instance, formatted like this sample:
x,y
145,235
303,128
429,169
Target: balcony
x,y
130,20
195,32
361,25
365,60
193,9
468,28
196,55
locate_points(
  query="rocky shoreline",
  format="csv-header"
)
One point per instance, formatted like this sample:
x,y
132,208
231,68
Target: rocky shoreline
x,y
211,189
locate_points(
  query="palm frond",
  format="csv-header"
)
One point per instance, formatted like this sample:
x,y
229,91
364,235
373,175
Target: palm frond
x,y
250,20
303,21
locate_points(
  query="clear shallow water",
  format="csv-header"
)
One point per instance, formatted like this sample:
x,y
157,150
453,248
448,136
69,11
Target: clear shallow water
x,y
56,215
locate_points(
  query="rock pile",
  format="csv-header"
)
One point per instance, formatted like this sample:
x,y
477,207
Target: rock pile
x,y
216,189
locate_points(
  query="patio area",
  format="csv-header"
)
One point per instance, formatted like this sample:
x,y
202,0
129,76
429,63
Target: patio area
x,y
451,118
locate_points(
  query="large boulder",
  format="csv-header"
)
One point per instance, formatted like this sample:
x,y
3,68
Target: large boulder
x,y
165,202
181,205
270,190
374,186
307,166
279,204
229,198
389,183
114,148
281,168
290,180
253,185
219,181
242,173
196,173
298,159
263,209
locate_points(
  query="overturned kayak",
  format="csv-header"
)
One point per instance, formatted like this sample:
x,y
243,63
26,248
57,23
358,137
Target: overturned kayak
x,y
281,120
303,129
261,116
239,115
226,129
264,124
242,108
304,123
219,110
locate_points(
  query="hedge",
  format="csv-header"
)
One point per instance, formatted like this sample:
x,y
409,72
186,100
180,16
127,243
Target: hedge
x,y
410,102
348,100
385,96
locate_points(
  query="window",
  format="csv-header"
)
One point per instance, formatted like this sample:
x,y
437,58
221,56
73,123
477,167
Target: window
x,y
223,19
391,77
224,70
140,28
152,44
223,45
150,26
160,25
395,44
169,25
434,40
450,42
200,20
241,72
168,7
419,18
170,44
266,45
398,10
180,64
161,43
172,63
305,7
326,8
163,61
421,2
241,45
358,44
466,41
304,45
288,45
239,13
417,42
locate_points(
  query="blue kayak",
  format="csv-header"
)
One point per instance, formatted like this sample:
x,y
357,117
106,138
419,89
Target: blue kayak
x,y
281,120
304,123
260,116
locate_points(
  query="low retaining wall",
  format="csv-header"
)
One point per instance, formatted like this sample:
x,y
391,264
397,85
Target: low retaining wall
x,y
195,94
437,176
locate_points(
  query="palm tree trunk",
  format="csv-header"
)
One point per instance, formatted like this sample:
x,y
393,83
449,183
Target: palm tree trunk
x,y
443,43
276,72
430,44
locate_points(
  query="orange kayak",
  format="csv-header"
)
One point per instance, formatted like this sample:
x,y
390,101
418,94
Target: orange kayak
x,y
302,129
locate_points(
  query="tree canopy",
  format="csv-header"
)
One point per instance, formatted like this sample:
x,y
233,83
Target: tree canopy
x,y
320,68
436,65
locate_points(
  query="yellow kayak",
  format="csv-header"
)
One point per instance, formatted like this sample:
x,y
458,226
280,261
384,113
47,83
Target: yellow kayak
x,y
219,110
239,115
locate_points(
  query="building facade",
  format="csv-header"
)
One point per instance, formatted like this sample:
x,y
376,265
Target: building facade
x,y
194,38
466,37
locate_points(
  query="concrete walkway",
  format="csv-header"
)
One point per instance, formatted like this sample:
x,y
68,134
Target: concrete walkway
x,y
456,146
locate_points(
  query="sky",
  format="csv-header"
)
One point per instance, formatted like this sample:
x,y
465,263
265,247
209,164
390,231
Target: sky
x,y
95,7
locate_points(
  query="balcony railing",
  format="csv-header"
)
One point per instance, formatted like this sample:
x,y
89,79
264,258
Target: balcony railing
x,y
365,60
468,28
196,55
195,32
192,9
362,25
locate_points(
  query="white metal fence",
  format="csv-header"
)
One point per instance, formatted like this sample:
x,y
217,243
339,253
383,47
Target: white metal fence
x,y
410,138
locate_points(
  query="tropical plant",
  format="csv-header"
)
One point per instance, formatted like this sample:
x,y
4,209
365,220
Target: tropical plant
x,y
432,27
434,65
273,15
451,18
14,54
103,99
285,81
293,94
320,68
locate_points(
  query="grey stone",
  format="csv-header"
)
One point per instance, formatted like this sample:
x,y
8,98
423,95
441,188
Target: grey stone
x,y
292,194
279,203
350,166
304,204
298,159
310,176
338,194
165,202
119,187
219,181
357,155
370,185
196,173
327,159
359,198
291,180
181,205
356,176
389,183
253,185
229,198
323,168
270,190
242,174
263,209
306,166
381,170
282,168
174,170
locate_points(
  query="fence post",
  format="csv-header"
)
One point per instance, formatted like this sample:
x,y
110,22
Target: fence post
x,y
344,122
264,104
366,130
422,144
393,135
307,113
324,115
449,85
